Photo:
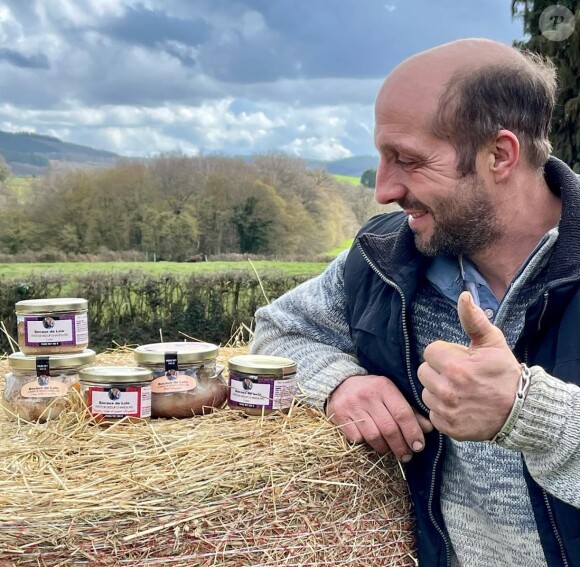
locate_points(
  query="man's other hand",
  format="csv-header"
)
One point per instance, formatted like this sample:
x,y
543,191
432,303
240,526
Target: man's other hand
x,y
371,409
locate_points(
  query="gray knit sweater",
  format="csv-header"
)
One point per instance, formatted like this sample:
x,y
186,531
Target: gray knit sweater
x,y
489,522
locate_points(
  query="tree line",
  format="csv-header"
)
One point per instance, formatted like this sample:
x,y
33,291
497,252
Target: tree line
x,y
564,50
177,207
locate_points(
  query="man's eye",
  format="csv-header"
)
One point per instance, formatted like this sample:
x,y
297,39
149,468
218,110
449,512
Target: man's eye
x,y
404,163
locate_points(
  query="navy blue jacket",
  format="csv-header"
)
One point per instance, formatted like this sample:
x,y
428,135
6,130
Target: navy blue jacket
x,y
381,275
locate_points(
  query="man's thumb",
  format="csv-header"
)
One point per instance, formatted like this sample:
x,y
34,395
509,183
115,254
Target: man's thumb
x,y
478,327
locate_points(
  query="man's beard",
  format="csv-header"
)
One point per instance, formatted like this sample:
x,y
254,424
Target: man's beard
x,y
464,223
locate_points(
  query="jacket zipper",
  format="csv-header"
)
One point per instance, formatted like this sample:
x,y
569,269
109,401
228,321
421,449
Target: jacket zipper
x,y
415,393
405,331
542,313
555,529
544,493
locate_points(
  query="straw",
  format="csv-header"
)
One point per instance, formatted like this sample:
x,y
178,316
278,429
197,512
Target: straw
x,y
219,489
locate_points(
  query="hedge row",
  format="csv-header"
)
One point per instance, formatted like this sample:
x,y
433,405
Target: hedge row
x,y
135,308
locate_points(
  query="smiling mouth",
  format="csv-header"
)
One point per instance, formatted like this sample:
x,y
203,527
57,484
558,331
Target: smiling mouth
x,y
417,214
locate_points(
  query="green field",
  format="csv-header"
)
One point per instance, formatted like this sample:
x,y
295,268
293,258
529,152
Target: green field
x,y
344,245
19,186
83,268
350,179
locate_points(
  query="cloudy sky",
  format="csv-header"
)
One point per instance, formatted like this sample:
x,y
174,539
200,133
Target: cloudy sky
x,y
140,77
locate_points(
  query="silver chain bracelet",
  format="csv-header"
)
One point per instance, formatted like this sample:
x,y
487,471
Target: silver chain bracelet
x,y
521,393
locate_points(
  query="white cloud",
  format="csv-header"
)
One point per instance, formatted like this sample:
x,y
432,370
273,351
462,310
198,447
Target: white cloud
x,y
318,132
125,75
317,148
10,28
252,24
78,12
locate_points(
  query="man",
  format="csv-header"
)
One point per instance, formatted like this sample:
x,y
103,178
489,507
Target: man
x,y
403,359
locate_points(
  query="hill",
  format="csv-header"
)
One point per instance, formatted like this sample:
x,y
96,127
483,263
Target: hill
x,y
31,154
355,165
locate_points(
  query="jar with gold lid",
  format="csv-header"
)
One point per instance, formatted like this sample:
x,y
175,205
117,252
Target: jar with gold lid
x,y
52,326
186,379
36,386
117,392
261,384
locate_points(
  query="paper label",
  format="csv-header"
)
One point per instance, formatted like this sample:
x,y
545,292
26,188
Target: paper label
x,y
44,387
59,330
173,381
132,401
82,328
252,391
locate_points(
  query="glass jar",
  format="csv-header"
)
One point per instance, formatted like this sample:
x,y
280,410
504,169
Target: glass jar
x,y
36,386
117,392
52,326
186,380
261,384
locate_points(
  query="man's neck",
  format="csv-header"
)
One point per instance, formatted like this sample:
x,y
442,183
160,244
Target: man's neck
x,y
525,226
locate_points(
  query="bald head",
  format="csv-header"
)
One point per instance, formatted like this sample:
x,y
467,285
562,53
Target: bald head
x,y
472,52
467,90
430,71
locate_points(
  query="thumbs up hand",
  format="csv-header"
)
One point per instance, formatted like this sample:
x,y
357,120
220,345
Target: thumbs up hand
x,y
470,390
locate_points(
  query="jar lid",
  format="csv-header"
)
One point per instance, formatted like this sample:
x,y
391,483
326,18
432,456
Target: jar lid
x,y
262,364
186,352
51,305
114,374
22,361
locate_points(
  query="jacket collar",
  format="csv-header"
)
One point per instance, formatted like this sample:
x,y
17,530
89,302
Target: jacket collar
x,y
394,253
565,261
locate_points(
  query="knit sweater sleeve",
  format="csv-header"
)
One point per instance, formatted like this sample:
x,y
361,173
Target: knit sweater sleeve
x,y
547,432
308,324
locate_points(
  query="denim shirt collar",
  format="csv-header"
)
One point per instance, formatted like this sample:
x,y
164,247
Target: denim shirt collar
x,y
452,274
446,275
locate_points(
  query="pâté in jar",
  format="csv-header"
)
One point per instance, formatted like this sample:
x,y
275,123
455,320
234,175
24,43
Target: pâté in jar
x,y
261,384
186,379
117,392
52,326
37,386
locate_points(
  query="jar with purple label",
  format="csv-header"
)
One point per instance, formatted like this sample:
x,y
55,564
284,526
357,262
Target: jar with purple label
x,y
260,385
52,326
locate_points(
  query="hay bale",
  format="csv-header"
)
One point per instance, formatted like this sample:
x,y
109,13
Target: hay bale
x,y
221,489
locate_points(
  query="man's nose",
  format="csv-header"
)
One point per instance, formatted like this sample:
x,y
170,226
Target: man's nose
x,y
389,186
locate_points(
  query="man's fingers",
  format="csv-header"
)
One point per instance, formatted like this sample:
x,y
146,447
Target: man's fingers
x,y
373,434
405,419
481,331
364,430
371,408
378,430
440,353
392,434
349,429
424,422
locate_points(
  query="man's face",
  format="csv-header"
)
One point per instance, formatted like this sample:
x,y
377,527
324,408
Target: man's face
x,y
447,212
462,222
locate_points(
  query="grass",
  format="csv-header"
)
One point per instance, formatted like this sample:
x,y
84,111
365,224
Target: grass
x,y
343,246
20,186
350,179
70,268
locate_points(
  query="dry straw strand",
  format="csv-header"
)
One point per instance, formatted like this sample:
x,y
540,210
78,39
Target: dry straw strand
x,y
13,344
220,489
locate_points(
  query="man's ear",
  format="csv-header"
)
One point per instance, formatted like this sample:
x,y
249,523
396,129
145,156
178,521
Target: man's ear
x,y
503,155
